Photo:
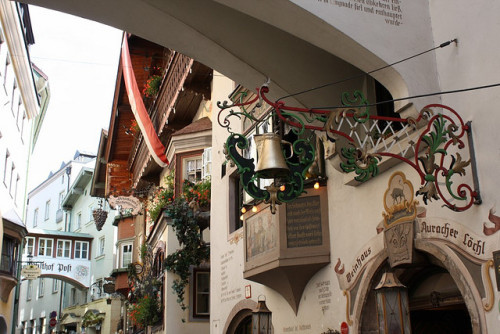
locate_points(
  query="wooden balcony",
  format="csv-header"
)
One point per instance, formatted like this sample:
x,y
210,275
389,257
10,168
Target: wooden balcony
x,y
13,234
184,86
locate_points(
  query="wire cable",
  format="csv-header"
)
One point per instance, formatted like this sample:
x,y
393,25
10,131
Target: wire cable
x,y
413,97
442,45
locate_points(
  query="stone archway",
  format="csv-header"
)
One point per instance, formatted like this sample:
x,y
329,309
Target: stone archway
x,y
243,44
239,314
432,257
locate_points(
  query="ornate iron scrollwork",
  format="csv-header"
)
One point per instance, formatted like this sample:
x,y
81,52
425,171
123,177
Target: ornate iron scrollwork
x,y
281,190
362,141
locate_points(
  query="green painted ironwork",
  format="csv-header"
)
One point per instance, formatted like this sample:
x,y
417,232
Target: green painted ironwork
x,y
365,168
293,183
355,132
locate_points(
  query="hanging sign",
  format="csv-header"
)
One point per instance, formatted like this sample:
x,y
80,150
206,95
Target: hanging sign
x,y
109,288
31,272
74,269
126,203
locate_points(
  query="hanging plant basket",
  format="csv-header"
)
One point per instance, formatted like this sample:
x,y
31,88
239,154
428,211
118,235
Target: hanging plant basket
x,y
99,217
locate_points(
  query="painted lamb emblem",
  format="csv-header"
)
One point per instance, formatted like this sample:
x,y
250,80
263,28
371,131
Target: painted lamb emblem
x,y
398,200
398,195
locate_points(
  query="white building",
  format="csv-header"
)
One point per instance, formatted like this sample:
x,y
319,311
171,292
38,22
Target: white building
x,y
24,94
318,285
79,204
48,238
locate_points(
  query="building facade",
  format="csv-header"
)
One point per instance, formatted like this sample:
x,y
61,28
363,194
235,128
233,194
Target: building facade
x,y
171,105
96,308
319,277
58,237
24,96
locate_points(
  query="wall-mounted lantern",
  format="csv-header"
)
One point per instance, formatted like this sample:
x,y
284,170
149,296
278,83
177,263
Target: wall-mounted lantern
x,y
98,326
261,319
392,305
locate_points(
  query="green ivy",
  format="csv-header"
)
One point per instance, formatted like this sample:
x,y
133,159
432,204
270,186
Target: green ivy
x,y
145,308
193,252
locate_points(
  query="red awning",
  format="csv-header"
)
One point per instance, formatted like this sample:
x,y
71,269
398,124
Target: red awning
x,y
155,147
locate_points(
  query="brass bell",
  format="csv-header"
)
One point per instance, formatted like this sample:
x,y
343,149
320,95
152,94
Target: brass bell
x,y
271,161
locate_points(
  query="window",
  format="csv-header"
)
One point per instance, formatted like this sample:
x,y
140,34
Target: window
x,y
29,289
55,285
8,260
18,112
81,250
16,187
12,169
102,243
13,97
192,168
60,201
126,255
6,164
30,246
78,220
207,163
235,202
45,247
35,217
22,124
73,296
47,209
41,286
201,293
91,210
63,248
41,322
7,63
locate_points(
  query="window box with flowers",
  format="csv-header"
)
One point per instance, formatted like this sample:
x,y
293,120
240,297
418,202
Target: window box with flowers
x,y
161,197
197,194
152,86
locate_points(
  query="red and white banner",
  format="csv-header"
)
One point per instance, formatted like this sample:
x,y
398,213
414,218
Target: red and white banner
x,y
153,143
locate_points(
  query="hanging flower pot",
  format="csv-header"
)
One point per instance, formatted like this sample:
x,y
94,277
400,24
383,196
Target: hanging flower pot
x,y
99,217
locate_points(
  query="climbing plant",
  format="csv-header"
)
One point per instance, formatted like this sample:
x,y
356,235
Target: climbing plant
x,y
145,291
193,250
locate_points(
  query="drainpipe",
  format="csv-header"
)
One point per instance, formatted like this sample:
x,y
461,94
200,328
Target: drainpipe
x,y
68,175
63,285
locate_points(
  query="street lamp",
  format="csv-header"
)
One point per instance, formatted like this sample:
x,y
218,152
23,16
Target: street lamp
x,y
261,319
392,305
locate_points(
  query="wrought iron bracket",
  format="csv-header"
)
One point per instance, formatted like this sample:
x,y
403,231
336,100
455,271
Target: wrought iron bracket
x,y
432,144
281,190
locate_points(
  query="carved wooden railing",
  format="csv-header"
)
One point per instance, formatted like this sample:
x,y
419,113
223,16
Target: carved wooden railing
x,y
177,69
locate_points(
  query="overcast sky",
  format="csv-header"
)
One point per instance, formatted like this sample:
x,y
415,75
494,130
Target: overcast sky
x,y
80,58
